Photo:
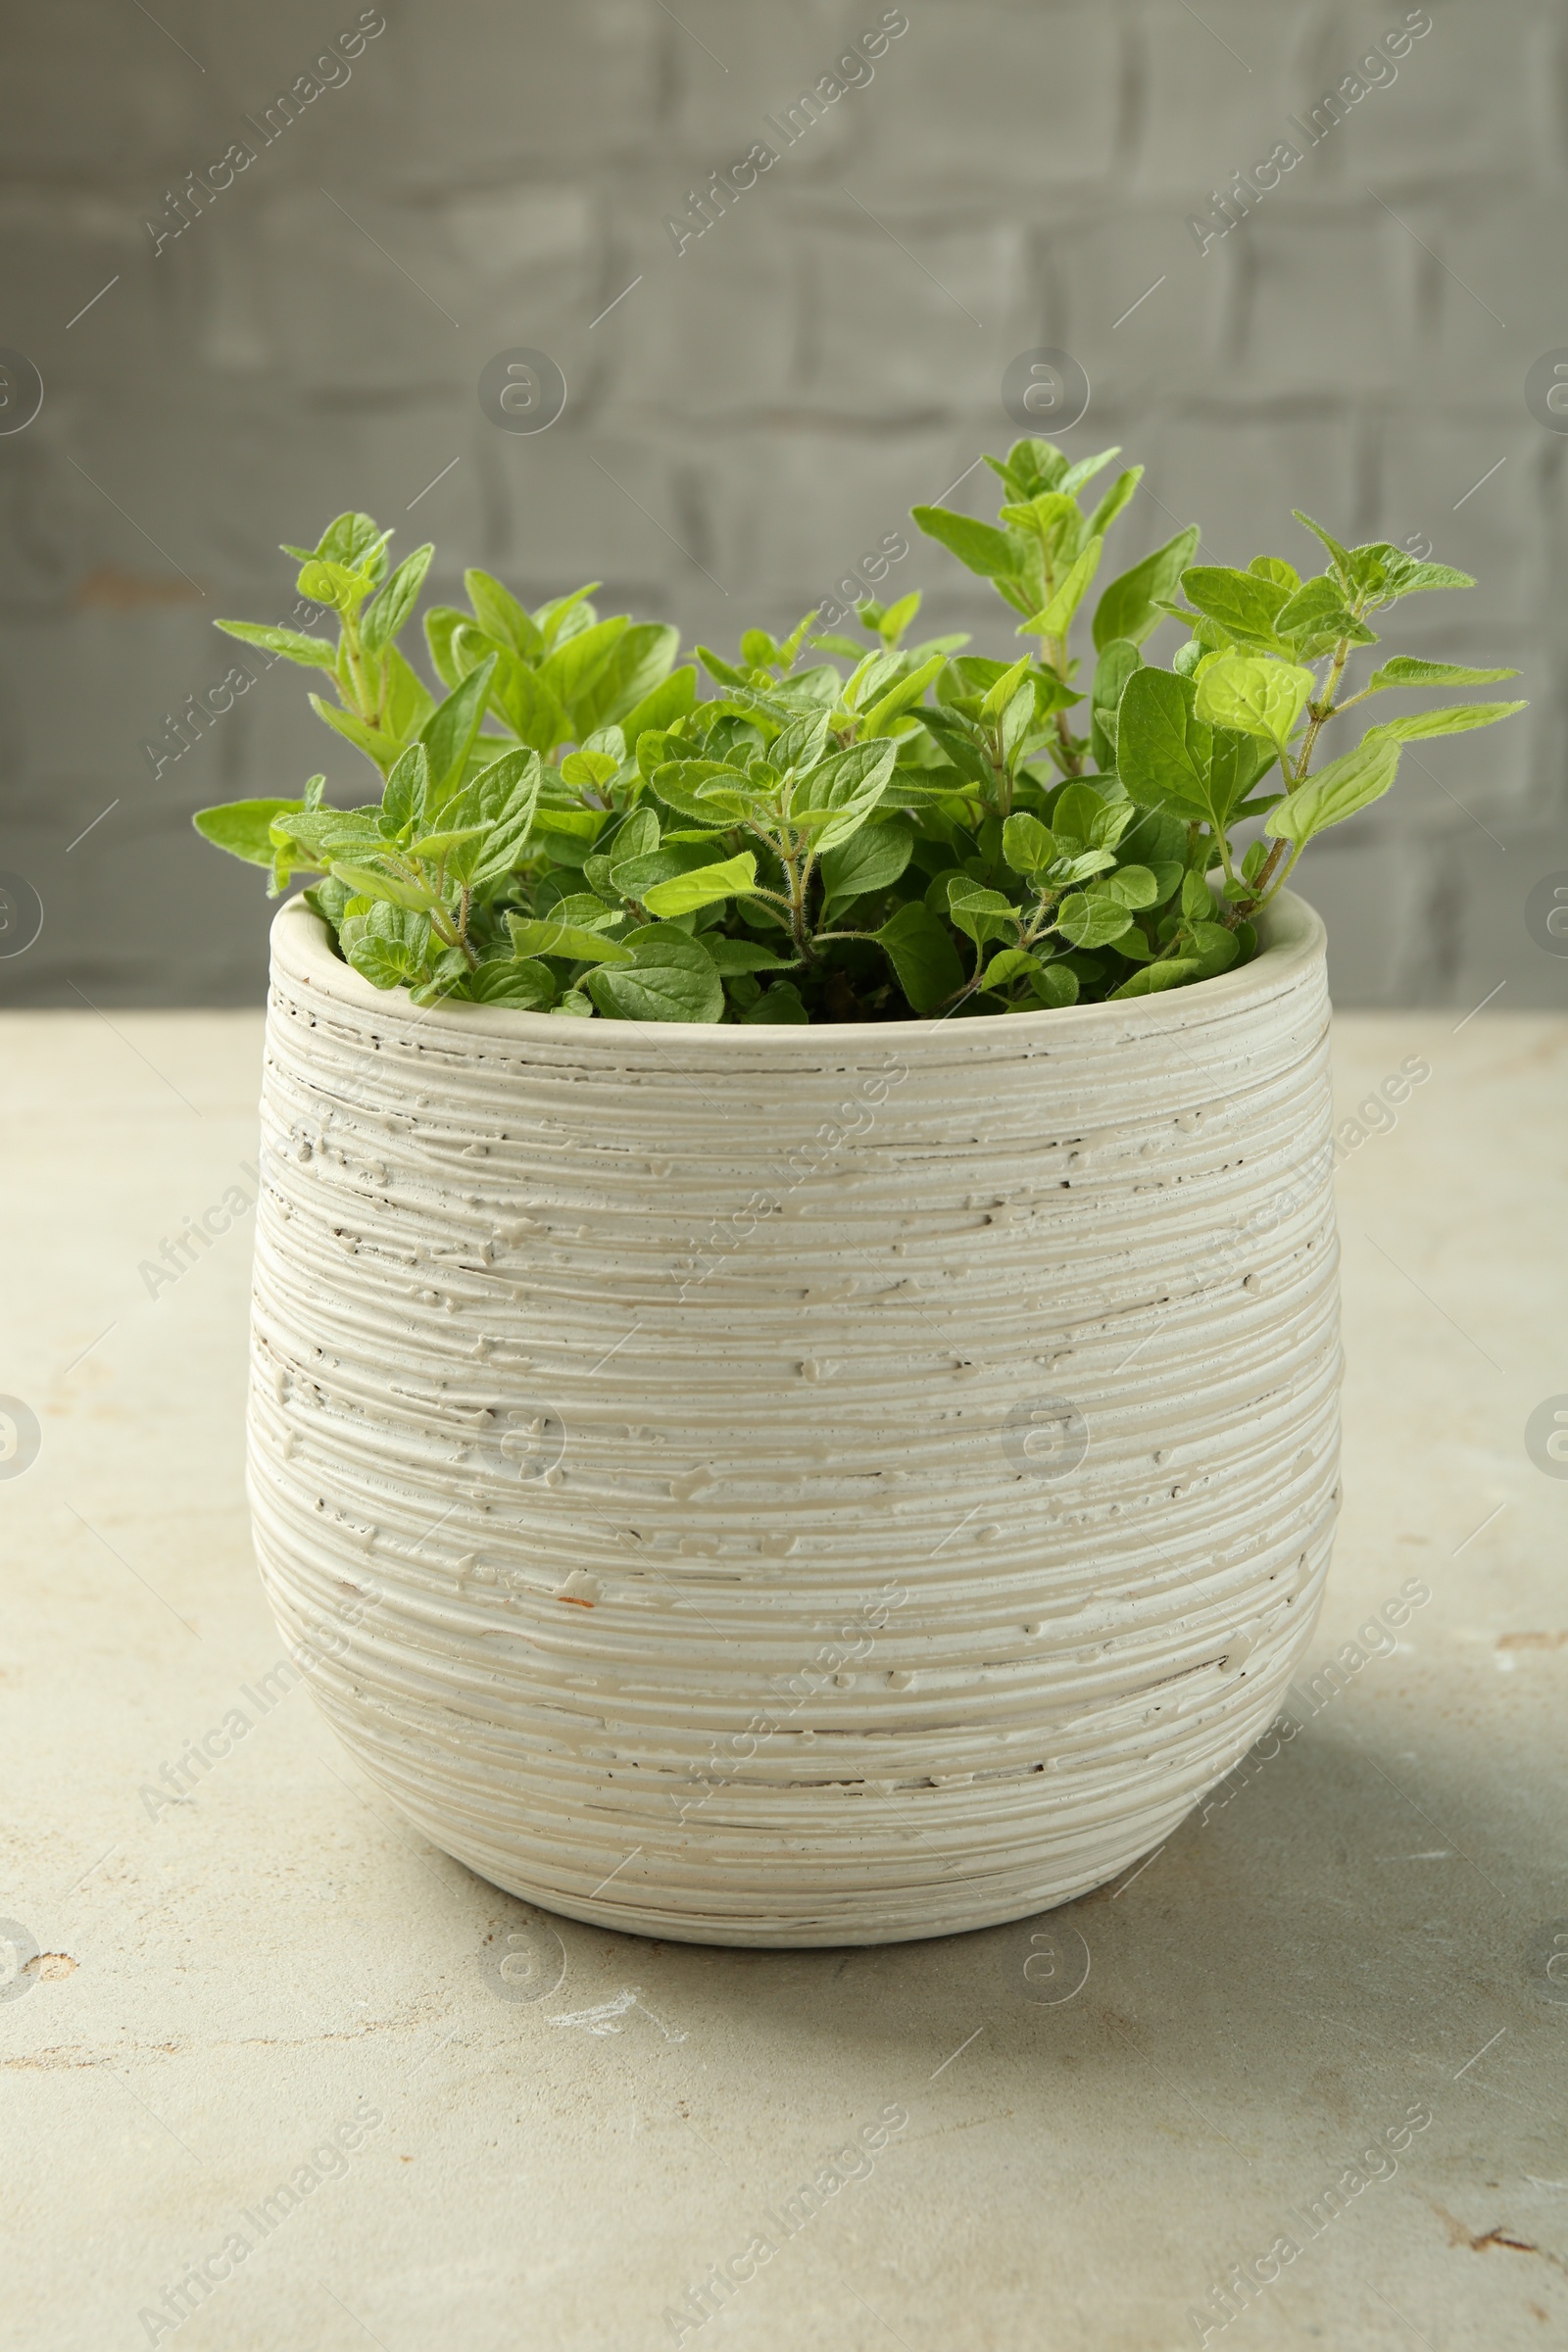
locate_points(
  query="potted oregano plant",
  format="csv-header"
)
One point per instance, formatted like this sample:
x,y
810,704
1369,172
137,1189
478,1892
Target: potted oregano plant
x,y
867,1479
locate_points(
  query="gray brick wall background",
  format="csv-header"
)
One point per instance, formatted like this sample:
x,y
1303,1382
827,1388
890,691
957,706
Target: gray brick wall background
x,y
761,411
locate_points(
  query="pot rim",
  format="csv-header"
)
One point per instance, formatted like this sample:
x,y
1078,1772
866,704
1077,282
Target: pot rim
x,y
1292,940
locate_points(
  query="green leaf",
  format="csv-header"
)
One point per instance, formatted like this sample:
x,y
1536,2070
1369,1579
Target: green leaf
x,y
1244,604
388,946
1315,619
1340,554
403,802
1055,619
501,800
1254,696
981,913
544,936
1055,984
900,696
396,601
501,617
1163,752
407,700
528,986
1151,979
925,961
449,732
1074,813
1031,465
683,894
640,660
590,770
1007,965
375,882
568,835
844,788
1118,658
1458,720
631,876
1217,948
872,675
1130,606
376,745
244,828
1115,498
679,784
979,545
1337,790
333,584
722,672
1026,844
1092,922
782,1002
1132,886
668,702
871,859
314,652
1407,670
565,616
892,624
800,743
441,625
950,732
635,835
1197,900
1274,567
584,907
999,695
1134,945
527,705
1238,761
1085,471
1385,572
1052,518
732,956
354,541
579,661
666,976
325,833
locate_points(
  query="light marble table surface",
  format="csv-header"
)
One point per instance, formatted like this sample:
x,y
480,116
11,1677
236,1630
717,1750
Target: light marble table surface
x,y
231,1986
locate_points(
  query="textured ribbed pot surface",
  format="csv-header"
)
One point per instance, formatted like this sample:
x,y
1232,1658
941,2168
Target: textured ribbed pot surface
x,y
797,1485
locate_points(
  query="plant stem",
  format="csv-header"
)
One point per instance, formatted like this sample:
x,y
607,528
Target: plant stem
x,y
1317,714
1319,710
1067,753
797,902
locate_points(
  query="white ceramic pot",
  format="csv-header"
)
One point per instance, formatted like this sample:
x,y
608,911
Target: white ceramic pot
x,y
797,1485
